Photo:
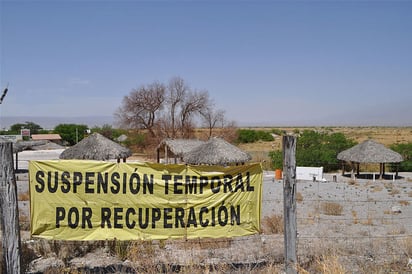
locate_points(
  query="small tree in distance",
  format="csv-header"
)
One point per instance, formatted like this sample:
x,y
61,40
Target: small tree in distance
x,y
71,133
34,128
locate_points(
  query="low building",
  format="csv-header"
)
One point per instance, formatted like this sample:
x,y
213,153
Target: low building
x,y
55,138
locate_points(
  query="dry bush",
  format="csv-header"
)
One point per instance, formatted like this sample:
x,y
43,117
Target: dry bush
x,y
406,246
410,194
64,250
332,208
397,230
329,264
367,221
404,202
355,217
135,249
273,224
353,182
376,188
395,191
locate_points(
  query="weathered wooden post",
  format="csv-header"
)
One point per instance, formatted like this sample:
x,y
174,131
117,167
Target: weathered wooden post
x,y
289,203
9,210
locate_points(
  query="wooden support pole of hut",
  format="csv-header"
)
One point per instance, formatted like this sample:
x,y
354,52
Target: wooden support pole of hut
x,y
9,211
380,170
166,156
289,203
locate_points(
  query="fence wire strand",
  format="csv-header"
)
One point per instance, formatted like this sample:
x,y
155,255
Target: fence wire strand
x,y
358,226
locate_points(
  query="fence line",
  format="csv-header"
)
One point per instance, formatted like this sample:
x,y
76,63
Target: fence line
x,y
366,231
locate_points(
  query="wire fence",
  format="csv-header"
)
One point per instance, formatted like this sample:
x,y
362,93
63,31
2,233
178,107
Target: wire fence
x,y
365,224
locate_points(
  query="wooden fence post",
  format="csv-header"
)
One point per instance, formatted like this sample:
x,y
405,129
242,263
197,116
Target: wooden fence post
x,y
9,211
289,203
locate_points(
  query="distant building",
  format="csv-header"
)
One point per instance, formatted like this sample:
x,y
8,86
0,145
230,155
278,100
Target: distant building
x,y
55,138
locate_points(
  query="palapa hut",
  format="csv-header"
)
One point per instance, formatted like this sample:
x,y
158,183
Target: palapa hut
x,y
370,152
96,147
174,149
216,151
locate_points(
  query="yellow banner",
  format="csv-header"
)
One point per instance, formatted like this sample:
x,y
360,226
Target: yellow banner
x,y
92,200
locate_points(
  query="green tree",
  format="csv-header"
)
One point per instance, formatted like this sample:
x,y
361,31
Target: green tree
x,y
316,149
251,136
71,133
34,128
406,151
277,159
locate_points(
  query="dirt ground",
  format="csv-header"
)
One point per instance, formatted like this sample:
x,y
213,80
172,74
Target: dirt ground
x,y
362,219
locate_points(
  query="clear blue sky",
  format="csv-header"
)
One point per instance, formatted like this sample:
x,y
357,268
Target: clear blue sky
x,y
263,62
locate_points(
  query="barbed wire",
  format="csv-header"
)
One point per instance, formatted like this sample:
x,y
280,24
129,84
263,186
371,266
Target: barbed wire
x,y
355,245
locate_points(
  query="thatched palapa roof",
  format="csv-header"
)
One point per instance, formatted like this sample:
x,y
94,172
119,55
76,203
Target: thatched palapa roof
x,y
216,151
370,152
179,146
96,147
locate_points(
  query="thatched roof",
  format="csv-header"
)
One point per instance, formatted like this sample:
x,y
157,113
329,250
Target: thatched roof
x,y
96,147
180,146
216,151
31,145
370,152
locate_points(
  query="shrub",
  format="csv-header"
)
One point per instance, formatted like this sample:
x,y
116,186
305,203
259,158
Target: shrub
x,y
331,208
406,151
273,224
251,136
277,159
316,149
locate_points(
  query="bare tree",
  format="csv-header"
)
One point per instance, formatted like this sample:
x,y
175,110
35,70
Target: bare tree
x,y
140,108
211,117
193,104
170,111
176,95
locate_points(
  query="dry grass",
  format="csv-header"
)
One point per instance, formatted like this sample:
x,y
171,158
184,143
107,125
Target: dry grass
x,y
406,246
273,224
353,182
395,191
329,264
376,188
355,217
368,221
332,208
